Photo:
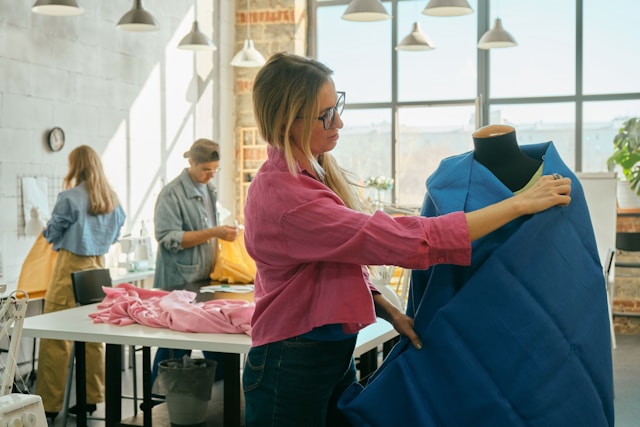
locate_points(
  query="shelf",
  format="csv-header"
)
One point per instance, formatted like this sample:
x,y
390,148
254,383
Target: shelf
x,y
251,152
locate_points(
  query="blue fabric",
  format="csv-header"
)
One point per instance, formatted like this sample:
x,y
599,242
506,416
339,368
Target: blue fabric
x,y
296,382
519,338
73,228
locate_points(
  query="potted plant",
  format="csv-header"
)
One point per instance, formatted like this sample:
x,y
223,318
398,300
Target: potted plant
x,y
626,158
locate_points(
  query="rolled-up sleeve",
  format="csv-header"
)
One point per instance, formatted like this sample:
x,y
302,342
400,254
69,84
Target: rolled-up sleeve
x,y
168,223
354,237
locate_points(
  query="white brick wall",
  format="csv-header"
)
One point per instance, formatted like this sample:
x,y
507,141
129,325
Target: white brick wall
x,y
125,94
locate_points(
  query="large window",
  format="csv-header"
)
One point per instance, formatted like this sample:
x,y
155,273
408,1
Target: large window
x,y
571,80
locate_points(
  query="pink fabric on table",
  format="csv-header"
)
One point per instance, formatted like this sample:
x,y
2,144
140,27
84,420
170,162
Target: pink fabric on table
x,y
126,304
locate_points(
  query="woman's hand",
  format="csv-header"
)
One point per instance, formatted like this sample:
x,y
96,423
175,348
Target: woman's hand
x,y
548,191
404,325
400,321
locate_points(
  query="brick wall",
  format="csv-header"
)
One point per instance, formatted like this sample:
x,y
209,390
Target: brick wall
x,y
276,26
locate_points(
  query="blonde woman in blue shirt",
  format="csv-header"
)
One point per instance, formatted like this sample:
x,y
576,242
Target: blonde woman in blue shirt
x,y
86,220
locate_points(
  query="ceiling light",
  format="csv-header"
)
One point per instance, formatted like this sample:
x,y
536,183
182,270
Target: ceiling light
x,y
416,40
496,37
196,40
365,11
57,7
138,19
447,8
248,56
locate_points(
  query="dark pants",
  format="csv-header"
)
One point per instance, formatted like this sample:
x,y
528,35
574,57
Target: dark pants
x,y
297,382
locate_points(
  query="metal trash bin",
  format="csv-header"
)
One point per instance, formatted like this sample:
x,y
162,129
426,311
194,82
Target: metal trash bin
x,y
187,384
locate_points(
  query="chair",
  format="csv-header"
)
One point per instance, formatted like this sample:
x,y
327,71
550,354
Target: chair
x,y
628,242
87,289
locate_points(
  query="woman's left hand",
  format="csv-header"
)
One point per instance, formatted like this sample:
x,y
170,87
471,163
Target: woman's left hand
x,y
404,325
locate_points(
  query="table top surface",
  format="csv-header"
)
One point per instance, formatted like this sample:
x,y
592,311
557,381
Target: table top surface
x,y
76,325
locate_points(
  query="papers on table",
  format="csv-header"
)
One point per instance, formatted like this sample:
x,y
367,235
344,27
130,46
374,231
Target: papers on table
x,y
236,289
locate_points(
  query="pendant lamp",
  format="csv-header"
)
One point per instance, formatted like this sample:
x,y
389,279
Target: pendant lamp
x,y
248,57
138,19
447,8
365,11
416,40
196,40
57,7
496,37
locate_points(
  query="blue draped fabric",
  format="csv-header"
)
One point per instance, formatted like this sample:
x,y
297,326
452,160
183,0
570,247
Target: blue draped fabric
x,y
519,338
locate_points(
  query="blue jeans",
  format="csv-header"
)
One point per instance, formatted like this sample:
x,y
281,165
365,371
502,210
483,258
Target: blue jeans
x,y
297,382
173,353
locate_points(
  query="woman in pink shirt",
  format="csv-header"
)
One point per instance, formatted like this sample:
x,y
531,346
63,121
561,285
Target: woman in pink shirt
x,y
311,242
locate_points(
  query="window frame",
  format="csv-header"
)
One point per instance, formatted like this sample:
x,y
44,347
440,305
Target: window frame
x,y
483,103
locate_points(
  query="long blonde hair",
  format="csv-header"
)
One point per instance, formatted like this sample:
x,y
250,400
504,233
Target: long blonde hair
x,y
85,166
286,87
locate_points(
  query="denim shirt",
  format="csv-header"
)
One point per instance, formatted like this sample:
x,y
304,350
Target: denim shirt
x,y
179,208
74,229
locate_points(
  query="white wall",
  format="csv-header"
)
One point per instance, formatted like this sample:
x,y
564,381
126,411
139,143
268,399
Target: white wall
x,y
134,97
600,193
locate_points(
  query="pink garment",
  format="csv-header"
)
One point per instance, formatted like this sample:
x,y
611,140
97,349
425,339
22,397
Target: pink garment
x,y
309,249
126,304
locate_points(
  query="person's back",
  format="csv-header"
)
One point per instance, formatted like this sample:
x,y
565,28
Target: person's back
x,y
86,220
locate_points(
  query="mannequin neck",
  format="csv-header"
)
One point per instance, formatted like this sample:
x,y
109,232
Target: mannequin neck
x,y
502,155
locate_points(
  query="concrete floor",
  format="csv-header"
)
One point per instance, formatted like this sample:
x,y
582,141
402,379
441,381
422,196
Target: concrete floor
x,y
626,365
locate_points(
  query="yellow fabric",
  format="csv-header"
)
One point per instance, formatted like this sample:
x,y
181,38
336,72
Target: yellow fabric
x,y
53,355
233,264
37,268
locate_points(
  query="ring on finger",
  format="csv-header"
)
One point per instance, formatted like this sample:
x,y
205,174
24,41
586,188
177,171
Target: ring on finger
x,y
556,176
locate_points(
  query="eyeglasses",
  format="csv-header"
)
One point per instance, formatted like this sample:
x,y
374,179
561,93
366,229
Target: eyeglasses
x,y
329,117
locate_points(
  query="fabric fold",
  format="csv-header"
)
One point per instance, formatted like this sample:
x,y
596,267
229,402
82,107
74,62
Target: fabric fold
x,y
126,304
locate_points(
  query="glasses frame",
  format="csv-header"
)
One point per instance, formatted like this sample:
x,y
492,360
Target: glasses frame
x,y
329,117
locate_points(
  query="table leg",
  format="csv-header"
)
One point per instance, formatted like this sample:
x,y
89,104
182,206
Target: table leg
x,y
368,363
388,346
231,394
113,385
81,384
146,386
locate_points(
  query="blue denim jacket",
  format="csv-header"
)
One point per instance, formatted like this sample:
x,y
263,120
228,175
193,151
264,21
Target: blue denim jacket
x,y
180,208
71,227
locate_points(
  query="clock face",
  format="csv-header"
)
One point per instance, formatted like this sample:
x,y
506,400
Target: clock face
x,y
56,139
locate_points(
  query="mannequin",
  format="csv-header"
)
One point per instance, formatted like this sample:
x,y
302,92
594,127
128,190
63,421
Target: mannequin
x,y
496,147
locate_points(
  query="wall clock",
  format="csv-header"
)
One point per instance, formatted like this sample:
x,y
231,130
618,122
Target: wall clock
x,y
55,139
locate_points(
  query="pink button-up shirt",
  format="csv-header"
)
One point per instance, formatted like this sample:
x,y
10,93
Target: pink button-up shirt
x,y
309,250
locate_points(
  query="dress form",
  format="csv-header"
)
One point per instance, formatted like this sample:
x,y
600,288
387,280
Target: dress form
x,y
496,147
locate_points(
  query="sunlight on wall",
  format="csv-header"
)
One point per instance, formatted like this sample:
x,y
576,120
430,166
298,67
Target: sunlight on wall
x,y
146,150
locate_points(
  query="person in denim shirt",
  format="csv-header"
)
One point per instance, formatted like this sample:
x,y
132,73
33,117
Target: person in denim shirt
x,y
86,220
186,228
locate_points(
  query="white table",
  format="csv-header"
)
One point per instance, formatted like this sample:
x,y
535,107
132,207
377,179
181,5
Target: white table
x,y
75,325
